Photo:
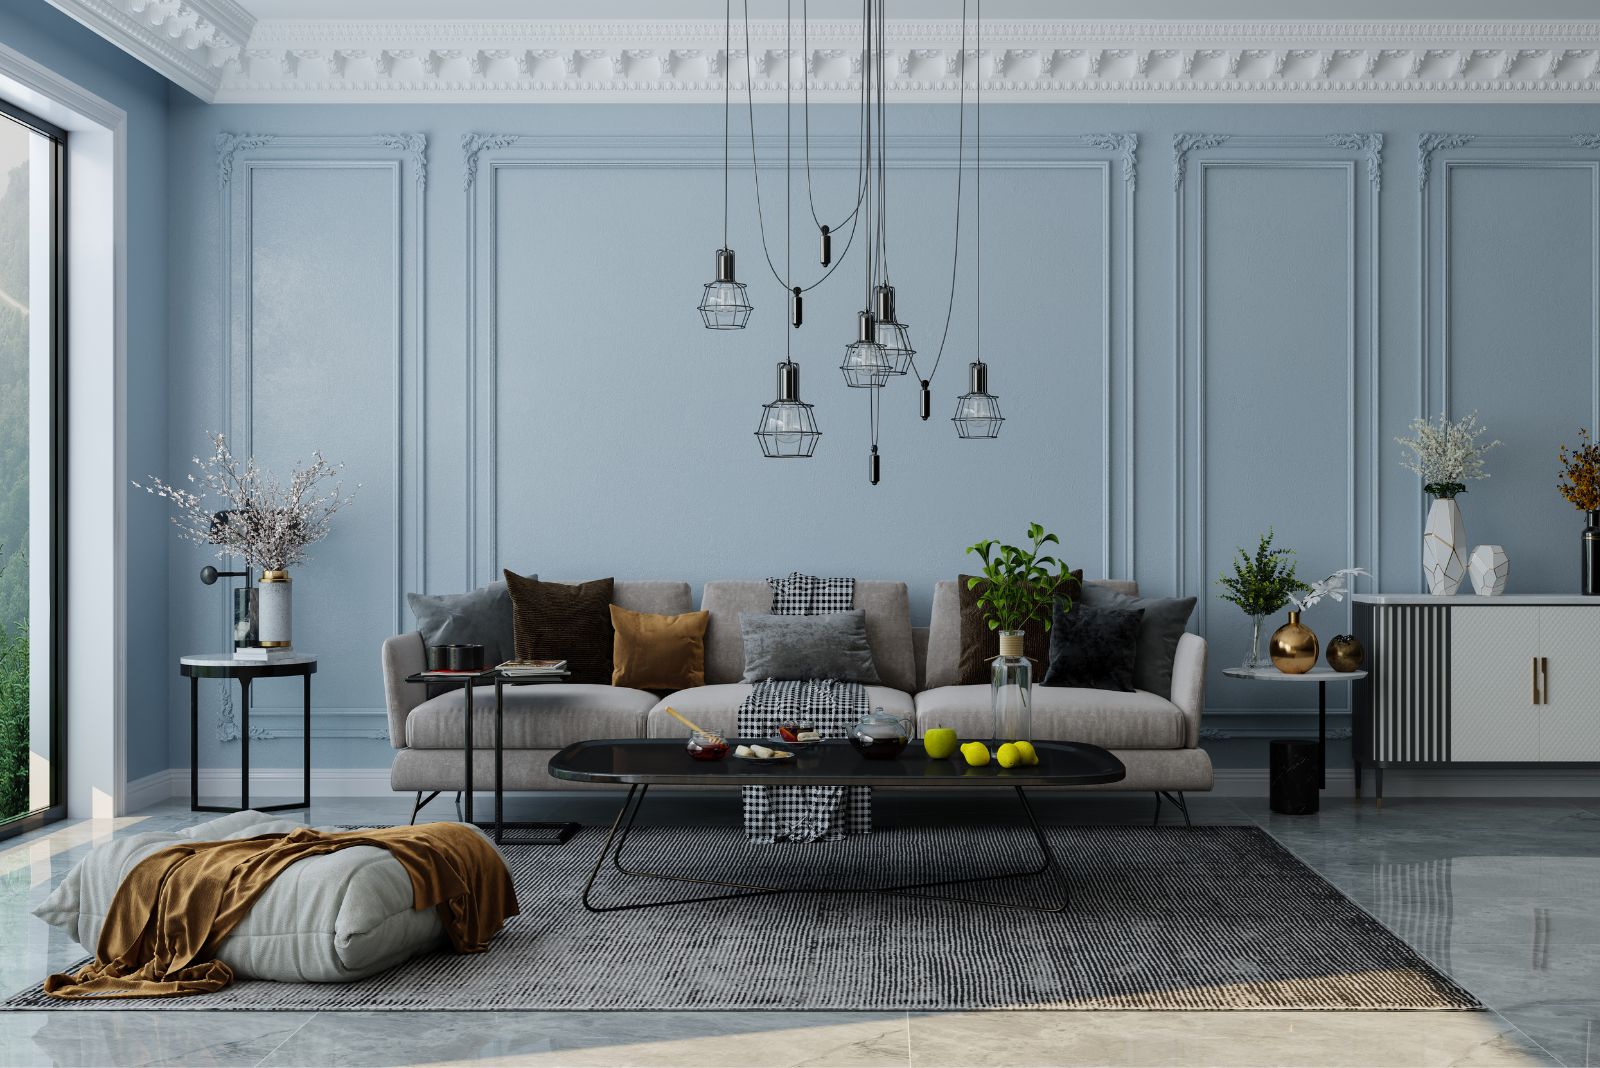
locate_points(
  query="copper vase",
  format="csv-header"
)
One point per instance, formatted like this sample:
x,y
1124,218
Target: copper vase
x,y
1293,647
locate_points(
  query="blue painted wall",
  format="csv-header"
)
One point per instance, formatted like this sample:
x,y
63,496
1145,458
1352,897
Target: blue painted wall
x,y
53,40
514,371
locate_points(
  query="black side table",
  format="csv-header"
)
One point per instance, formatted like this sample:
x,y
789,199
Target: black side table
x,y
224,666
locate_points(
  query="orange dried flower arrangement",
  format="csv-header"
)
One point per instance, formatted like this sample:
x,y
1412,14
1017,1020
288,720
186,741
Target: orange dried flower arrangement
x,y
1581,466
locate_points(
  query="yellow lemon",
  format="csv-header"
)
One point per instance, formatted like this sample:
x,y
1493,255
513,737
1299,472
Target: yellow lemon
x,y
939,742
976,754
1027,752
1009,756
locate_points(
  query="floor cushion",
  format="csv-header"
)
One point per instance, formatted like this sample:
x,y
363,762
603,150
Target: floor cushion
x,y
1109,718
333,918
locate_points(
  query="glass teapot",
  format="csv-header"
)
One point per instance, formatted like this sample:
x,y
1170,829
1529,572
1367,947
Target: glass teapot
x,y
880,736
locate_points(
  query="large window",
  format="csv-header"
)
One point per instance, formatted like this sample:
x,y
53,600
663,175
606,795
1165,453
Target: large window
x,y
32,343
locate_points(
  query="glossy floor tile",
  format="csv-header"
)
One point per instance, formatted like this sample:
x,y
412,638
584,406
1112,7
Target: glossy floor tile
x,y
1499,894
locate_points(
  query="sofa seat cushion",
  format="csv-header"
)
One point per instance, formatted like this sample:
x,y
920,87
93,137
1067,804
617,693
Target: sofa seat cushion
x,y
1109,718
549,715
716,708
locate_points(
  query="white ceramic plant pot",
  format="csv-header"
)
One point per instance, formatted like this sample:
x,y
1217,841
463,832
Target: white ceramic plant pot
x,y
1489,566
1444,548
276,603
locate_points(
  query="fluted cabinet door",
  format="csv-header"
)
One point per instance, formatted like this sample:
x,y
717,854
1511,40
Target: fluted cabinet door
x,y
1492,713
1569,721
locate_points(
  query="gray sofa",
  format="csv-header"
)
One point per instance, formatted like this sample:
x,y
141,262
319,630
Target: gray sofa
x,y
1156,738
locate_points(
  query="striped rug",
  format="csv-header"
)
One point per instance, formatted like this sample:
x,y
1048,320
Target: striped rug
x,y
1161,918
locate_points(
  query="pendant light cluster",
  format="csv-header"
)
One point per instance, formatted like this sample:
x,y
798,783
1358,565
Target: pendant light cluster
x,y
881,349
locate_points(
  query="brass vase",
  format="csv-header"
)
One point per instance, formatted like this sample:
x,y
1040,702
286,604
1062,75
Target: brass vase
x,y
1345,653
1293,647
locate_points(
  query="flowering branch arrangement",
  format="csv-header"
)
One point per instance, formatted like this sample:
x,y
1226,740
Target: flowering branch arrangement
x,y
1446,454
1263,584
1332,586
255,515
1581,466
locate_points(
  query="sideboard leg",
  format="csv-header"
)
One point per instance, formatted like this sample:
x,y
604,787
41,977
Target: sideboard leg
x,y
1355,763
1377,786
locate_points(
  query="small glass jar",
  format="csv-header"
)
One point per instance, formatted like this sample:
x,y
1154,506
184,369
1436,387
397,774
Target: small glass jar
x,y
707,745
1011,690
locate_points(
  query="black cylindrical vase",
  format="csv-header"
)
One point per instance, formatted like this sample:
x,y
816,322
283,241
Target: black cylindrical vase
x,y
1591,555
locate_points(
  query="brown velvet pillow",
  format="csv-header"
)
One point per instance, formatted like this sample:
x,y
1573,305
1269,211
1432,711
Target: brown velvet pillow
x,y
658,652
554,621
979,644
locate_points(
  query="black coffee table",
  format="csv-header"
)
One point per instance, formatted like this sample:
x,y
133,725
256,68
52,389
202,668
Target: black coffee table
x,y
641,764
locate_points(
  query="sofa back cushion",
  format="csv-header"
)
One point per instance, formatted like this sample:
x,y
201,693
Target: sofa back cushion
x,y
657,598
944,630
887,607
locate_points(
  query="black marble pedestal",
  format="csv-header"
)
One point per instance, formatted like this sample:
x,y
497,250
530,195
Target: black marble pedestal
x,y
1295,767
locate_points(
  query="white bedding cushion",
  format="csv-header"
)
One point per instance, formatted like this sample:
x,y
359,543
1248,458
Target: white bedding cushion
x,y
330,918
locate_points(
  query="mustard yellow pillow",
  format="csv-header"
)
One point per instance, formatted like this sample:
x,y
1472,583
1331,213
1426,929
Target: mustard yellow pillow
x,y
654,652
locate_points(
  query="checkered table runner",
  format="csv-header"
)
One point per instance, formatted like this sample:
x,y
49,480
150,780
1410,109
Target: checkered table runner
x,y
805,813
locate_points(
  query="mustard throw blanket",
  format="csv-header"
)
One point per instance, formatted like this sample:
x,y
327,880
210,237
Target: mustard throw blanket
x,y
175,908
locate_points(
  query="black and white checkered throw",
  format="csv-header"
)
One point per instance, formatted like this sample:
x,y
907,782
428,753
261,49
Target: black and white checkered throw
x,y
805,813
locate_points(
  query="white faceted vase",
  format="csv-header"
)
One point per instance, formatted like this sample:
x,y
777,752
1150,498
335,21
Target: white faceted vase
x,y
1489,566
1444,548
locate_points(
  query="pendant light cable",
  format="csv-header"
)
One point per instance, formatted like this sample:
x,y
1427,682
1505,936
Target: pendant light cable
x,y
755,178
727,104
955,250
805,107
788,163
977,181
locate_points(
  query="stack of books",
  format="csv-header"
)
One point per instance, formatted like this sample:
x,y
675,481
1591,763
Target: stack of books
x,y
262,654
522,669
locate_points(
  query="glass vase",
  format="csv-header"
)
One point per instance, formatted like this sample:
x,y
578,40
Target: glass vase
x,y
1253,657
1011,690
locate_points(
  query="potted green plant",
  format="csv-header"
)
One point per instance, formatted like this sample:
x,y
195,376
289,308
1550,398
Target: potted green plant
x,y
1261,585
1017,586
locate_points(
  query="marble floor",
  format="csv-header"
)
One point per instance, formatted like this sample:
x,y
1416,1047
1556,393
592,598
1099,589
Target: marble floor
x,y
1500,894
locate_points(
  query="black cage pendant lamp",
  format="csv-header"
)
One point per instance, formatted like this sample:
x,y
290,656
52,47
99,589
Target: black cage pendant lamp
x,y
725,304
978,410
788,428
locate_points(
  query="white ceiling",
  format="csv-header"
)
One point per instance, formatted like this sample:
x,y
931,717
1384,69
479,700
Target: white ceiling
x,y
1187,10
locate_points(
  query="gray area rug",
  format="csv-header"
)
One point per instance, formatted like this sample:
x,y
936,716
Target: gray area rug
x,y
1161,918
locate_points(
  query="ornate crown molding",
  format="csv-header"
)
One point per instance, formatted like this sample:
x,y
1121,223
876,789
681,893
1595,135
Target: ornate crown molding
x,y
216,50
190,42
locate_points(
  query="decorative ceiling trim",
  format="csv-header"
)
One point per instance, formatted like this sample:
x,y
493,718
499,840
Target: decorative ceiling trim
x,y
190,42
196,43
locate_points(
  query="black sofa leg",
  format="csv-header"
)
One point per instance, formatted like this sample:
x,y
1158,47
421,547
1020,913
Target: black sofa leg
x,y
421,803
1179,802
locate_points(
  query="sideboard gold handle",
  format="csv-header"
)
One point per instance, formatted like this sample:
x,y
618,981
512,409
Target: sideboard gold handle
x,y
1535,680
1544,670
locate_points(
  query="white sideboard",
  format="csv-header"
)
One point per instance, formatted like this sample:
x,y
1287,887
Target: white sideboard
x,y
1468,679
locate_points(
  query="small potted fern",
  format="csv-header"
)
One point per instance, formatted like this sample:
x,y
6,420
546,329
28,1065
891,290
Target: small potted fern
x,y
1260,586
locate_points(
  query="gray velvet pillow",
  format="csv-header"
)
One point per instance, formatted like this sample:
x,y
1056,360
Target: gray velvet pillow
x,y
829,646
1092,647
1164,621
482,617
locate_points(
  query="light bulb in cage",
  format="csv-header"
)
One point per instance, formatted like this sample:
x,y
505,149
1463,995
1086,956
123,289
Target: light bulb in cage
x,y
866,365
788,428
725,305
891,333
978,411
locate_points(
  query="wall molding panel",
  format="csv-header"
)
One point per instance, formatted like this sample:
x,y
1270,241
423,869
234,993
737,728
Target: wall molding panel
x,y
1359,157
1113,155
402,158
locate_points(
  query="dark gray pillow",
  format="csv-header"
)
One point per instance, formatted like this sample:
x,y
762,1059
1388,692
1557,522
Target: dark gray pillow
x,y
1164,621
482,617
1092,648
829,646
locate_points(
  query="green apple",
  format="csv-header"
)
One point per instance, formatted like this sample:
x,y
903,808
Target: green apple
x,y
939,742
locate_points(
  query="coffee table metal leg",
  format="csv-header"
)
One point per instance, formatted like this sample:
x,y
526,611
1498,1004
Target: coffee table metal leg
x,y
470,754
622,828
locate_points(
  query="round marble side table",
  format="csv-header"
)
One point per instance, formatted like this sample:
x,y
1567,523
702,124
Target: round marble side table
x,y
1319,675
197,666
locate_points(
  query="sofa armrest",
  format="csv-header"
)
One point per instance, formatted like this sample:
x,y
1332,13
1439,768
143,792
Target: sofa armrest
x,y
403,654
1189,684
